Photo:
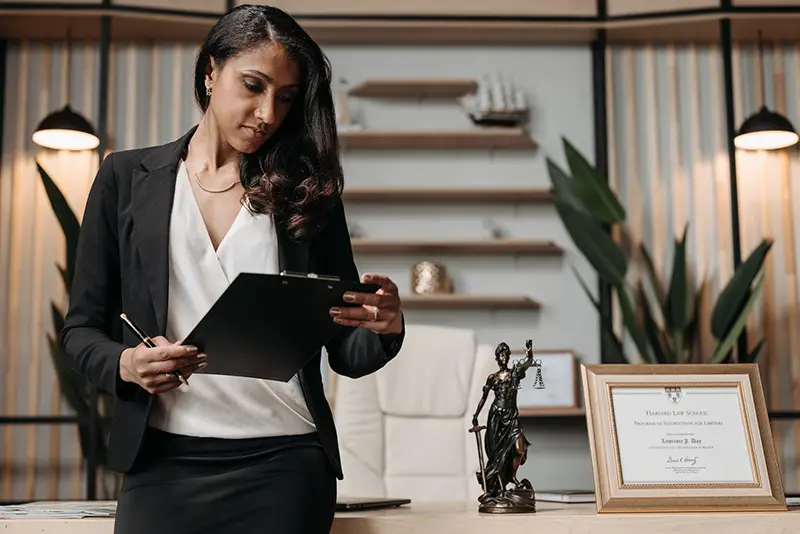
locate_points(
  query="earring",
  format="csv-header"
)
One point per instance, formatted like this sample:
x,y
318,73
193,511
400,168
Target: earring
x,y
208,91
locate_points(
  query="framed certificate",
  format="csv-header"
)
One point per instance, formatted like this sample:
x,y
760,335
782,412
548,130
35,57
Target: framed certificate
x,y
680,438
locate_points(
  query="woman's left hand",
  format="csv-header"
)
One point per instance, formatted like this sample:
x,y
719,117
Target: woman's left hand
x,y
379,311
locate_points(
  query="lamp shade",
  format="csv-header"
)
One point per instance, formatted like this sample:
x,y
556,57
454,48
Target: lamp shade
x,y
766,130
65,130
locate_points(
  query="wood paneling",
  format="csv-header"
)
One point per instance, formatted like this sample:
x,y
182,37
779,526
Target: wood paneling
x,y
704,28
528,8
202,6
633,7
766,3
665,30
378,22
39,22
40,25
422,32
52,25
775,26
53,2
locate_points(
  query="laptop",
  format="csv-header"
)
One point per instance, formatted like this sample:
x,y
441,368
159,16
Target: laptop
x,y
349,504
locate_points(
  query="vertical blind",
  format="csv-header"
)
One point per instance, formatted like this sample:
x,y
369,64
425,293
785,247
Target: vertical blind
x,y
669,164
44,461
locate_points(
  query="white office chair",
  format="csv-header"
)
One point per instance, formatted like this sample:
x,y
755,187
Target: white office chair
x,y
403,431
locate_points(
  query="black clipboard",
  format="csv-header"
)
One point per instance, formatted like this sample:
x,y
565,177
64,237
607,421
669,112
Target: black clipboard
x,y
270,325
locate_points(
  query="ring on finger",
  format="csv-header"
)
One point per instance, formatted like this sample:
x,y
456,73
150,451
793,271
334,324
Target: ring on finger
x,y
374,314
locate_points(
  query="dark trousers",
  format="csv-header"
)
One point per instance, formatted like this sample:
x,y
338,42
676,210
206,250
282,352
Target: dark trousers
x,y
196,485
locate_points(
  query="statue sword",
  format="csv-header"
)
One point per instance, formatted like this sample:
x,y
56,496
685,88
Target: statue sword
x,y
477,431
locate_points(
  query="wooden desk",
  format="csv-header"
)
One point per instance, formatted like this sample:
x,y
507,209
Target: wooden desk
x,y
463,518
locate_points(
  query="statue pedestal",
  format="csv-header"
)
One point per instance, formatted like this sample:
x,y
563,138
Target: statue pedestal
x,y
514,501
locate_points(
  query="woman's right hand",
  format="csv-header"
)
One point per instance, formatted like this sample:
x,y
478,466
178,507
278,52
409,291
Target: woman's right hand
x,y
152,367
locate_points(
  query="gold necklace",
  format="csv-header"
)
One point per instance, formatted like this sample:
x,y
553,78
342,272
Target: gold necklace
x,y
204,188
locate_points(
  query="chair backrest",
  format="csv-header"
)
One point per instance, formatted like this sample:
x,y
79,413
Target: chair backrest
x,y
403,431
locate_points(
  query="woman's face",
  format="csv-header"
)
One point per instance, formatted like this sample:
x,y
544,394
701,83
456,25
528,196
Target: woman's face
x,y
252,94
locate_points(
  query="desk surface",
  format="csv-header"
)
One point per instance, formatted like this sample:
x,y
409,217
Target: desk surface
x,y
464,518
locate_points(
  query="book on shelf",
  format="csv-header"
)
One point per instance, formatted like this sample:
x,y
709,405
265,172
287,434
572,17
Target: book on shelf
x,y
566,496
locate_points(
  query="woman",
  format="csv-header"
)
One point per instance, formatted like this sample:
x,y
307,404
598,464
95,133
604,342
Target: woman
x,y
254,187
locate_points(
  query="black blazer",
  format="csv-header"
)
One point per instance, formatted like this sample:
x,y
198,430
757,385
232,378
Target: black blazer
x,y
122,265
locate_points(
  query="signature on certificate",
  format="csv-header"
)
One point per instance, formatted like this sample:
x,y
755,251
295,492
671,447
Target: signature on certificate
x,y
682,460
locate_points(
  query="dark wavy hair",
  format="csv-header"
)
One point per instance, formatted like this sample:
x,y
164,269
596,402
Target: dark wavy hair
x,y
296,175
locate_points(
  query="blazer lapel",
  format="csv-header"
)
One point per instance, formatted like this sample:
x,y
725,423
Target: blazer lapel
x,y
152,203
153,191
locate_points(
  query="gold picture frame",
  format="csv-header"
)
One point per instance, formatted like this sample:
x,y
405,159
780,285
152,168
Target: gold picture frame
x,y
637,482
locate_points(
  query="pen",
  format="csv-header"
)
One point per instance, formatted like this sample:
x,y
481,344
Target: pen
x,y
147,341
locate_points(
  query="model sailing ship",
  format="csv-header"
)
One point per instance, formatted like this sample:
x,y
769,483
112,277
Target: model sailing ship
x,y
497,102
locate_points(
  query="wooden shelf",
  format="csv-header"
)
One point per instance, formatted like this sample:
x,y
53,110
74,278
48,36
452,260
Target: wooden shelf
x,y
494,246
410,88
456,301
478,138
553,411
482,195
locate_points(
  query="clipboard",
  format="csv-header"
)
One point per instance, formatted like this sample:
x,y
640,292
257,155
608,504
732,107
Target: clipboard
x,y
270,325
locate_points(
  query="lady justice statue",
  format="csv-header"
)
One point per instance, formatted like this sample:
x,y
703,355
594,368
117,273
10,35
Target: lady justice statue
x,y
506,445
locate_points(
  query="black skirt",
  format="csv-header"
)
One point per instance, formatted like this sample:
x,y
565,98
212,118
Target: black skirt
x,y
186,484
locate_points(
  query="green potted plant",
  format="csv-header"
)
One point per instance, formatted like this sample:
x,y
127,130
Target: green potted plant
x,y
75,389
662,319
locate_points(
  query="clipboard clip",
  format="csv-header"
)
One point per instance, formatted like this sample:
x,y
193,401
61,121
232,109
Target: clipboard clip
x,y
325,277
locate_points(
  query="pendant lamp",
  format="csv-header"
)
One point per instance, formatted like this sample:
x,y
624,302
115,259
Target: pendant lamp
x,y
765,129
66,129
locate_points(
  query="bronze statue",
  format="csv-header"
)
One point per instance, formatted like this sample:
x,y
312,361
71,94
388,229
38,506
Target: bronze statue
x,y
506,445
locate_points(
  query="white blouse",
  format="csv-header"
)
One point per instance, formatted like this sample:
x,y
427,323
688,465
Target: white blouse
x,y
216,405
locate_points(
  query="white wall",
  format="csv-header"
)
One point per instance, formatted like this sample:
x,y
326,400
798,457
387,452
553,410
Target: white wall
x,y
557,82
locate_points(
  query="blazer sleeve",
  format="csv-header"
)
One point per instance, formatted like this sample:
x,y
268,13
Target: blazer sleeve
x,y
95,294
354,352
